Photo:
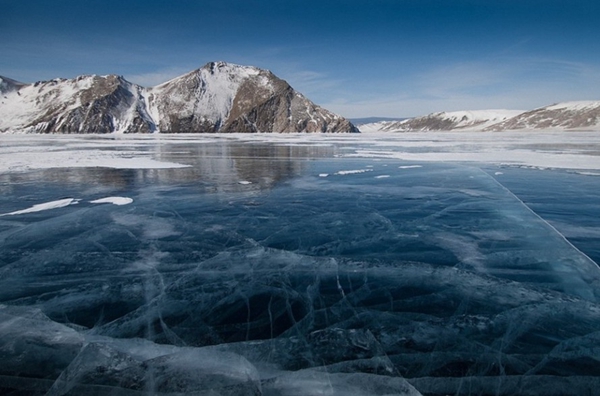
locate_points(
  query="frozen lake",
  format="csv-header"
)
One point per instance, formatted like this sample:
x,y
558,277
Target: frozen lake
x,y
299,265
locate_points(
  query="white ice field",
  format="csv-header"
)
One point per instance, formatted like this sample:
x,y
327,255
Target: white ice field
x,y
560,150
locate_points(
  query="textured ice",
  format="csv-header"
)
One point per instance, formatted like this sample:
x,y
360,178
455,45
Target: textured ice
x,y
32,345
436,280
100,369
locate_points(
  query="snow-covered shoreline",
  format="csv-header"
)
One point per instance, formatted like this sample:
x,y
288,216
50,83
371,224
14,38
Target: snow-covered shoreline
x,y
541,149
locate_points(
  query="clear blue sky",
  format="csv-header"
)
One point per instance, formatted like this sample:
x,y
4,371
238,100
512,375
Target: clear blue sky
x,y
358,58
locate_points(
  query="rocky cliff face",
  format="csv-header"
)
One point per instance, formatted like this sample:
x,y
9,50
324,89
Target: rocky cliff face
x,y
219,97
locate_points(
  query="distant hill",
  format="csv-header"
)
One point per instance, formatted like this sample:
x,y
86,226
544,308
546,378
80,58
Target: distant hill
x,y
371,120
444,121
583,115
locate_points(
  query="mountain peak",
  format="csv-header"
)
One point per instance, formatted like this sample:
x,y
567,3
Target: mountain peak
x,y
221,66
230,69
235,98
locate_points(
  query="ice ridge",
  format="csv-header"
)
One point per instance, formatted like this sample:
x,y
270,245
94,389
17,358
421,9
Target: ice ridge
x,y
592,270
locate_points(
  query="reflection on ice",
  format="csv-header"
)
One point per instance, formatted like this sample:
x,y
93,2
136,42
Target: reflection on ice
x,y
385,281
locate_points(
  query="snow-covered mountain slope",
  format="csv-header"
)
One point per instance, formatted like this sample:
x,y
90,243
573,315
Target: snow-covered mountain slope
x,y
230,98
444,121
86,104
561,116
218,97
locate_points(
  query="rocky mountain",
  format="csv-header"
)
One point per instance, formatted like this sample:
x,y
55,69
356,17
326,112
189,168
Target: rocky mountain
x,y
562,116
218,97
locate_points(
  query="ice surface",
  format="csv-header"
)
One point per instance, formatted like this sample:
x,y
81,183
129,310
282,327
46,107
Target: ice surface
x,y
433,280
101,369
314,382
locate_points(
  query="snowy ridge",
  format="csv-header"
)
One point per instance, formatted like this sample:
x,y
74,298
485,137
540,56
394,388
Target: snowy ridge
x,y
578,115
444,121
219,97
466,120
576,105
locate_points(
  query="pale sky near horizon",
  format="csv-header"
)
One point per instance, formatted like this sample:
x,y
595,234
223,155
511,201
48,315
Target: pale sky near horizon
x,y
394,58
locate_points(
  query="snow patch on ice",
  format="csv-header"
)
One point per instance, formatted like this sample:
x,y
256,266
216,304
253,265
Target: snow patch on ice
x,y
61,203
29,158
353,172
113,200
589,173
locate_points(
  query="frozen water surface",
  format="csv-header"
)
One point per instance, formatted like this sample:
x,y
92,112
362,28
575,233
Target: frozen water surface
x,y
260,268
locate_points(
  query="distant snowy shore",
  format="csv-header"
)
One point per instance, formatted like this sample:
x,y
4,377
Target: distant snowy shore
x,y
574,150
566,116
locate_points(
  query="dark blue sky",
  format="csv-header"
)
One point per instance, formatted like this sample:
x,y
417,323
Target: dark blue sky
x,y
359,58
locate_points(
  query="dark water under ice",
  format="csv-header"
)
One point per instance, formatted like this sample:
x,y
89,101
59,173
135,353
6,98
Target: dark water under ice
x,y
280,270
